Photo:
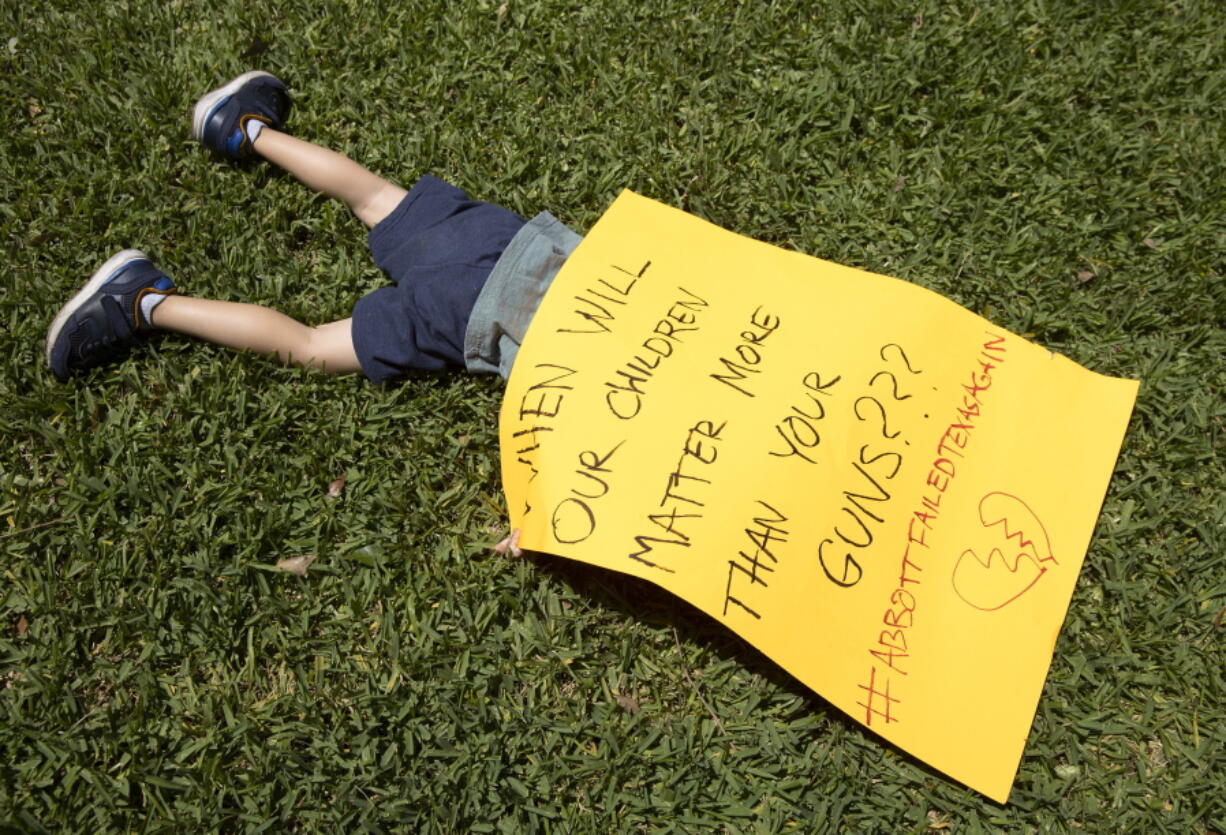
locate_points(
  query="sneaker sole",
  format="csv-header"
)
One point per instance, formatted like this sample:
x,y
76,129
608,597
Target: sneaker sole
x,y
104,274
209,101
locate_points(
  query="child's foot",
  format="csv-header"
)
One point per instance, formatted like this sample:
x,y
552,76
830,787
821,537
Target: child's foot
x,y
230,118
108,316
510,545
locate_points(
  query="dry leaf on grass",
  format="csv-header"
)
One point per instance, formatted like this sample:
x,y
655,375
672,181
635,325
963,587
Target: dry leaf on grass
x,y
937,821
297,565
628,702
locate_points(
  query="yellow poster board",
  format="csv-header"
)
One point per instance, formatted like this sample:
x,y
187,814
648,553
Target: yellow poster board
x,y
886,494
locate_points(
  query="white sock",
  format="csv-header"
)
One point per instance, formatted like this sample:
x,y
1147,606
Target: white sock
x,y
254,126
147,303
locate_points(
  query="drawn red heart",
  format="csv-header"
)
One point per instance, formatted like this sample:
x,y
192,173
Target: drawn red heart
x,y
1018,554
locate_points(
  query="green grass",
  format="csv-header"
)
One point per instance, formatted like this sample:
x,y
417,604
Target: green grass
x,y
1057,167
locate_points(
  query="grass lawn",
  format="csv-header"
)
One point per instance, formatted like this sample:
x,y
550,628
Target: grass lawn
x,y
1056,167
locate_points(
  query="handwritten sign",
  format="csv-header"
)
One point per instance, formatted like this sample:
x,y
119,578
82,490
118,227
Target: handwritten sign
x,y
886,494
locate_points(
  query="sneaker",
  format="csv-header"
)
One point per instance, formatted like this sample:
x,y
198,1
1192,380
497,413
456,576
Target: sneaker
x,y
220,118
104,320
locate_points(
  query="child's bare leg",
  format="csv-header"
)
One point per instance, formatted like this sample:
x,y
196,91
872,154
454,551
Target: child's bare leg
x,y
369,196
243,119
262,330
128,298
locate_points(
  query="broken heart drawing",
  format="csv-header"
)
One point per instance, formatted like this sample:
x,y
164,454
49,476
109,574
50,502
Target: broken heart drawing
x,y
1011,556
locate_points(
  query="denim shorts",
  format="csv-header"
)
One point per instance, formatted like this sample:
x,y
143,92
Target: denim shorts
x,y
438,248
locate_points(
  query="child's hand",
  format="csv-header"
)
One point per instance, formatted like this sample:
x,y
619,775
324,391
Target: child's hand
x,y
510,545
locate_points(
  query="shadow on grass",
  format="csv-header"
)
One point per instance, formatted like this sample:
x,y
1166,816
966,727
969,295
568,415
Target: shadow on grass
x,y
650,604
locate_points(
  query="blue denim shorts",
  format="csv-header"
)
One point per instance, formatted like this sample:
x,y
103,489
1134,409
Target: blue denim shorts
x,y
438,248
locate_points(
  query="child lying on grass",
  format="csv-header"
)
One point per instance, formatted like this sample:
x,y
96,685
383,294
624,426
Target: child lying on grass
x,y
467,276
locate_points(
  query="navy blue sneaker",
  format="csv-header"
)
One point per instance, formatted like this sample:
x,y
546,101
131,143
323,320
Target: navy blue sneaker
x,y
104,320
220,118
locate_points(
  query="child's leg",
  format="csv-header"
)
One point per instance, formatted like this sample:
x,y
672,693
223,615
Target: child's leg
x,y
243,118
128,298
369,196
250,327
